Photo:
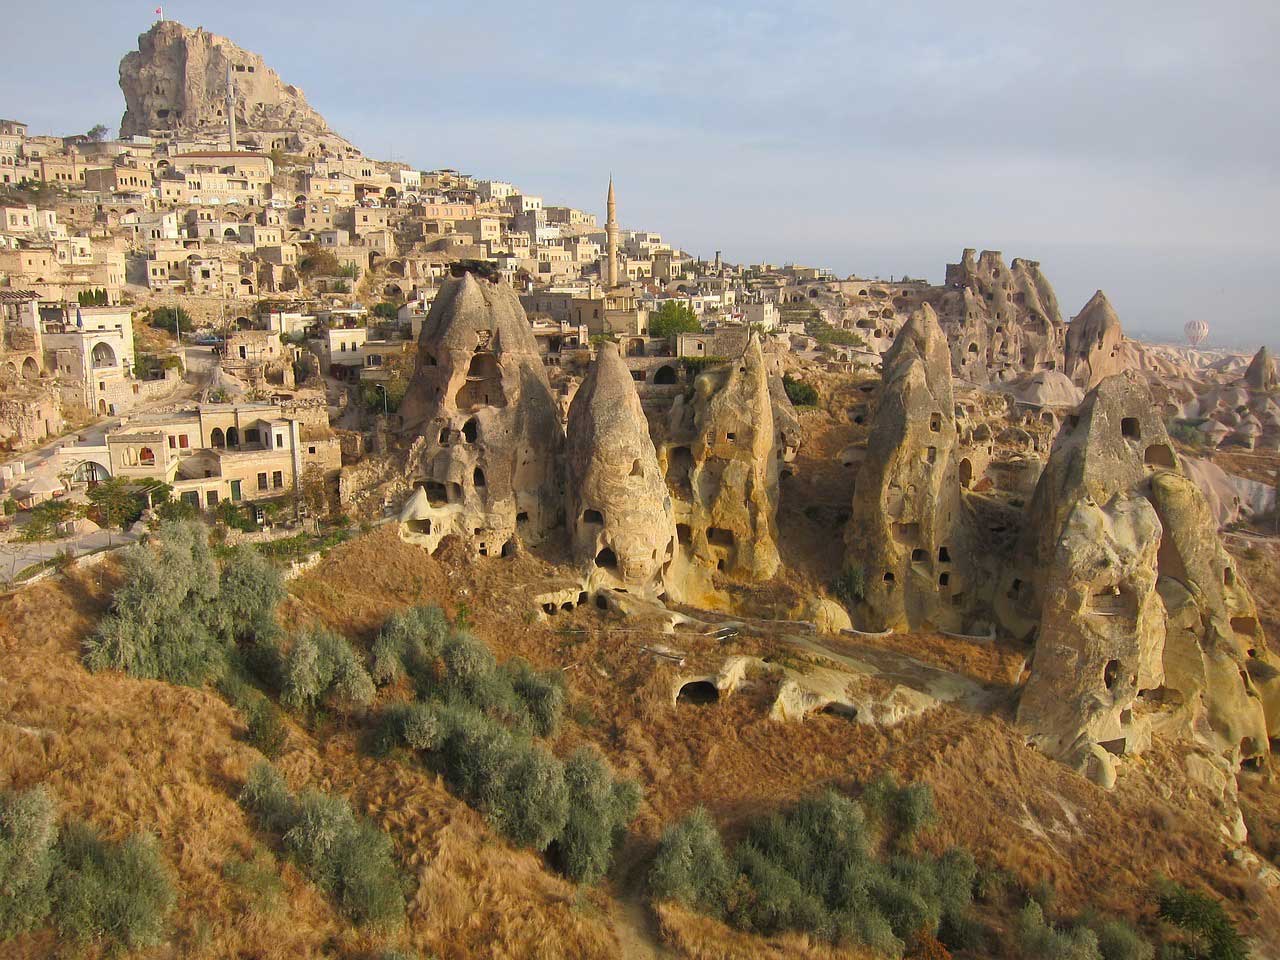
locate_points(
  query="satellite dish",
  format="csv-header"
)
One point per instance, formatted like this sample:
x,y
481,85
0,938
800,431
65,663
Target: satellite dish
x,y
1196,331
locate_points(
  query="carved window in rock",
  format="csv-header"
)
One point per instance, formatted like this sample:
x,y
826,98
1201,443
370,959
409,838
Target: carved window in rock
x,y
483,386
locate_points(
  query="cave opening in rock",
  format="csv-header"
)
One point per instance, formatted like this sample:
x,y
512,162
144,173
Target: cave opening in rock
x,y
470,429
593,516
1158,455
1110,674
607,559
698,692
1129,428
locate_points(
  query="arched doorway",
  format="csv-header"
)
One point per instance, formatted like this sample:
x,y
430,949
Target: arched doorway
x,y
217,438
30,369
666,375
90,472
103,356
233,437
229,234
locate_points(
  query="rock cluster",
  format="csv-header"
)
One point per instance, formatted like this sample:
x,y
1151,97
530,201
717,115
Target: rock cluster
x,y
1143,621
617,506
486,461
177,80
907,530
1000,320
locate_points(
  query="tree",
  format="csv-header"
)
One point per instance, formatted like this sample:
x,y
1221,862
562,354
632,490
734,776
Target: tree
x,y
385,311
673,317
167,318
115,503
97,133
318,263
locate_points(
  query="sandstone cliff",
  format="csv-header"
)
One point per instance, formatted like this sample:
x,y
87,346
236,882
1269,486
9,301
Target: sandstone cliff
x,y
177,80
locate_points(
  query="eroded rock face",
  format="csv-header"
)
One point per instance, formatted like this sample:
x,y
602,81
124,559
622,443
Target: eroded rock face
x,y
617,506
1101,637
1216,653
1261,374
486,461
906,530
1094,339
177,80
1111,466
721,462
1001,320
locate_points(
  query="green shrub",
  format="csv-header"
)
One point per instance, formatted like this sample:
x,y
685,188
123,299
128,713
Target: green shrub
x,y
813,868
409,644
1208,932
903,811
28,832
1118,940
118,892
541,693
172,319
178,616
345,856
798,392
1040,940
323,666
851,586
266,729
259,879
599,809
691,866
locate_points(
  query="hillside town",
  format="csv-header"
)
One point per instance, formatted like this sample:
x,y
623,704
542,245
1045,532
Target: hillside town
x,y
658,485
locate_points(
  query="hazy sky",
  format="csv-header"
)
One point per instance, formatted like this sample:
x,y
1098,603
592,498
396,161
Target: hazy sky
x,y
1126,145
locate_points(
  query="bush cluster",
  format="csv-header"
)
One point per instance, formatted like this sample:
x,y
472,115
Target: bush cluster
x,y
815,868
179,615
346,856
94,890
448,664
475,721
323,667
850,587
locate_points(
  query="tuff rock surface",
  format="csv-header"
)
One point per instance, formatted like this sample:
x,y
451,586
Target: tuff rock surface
x,y
617,506
486,459
177,80
906,530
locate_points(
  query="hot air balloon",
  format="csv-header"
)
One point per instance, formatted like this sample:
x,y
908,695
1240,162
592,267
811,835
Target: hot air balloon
x,y
1196,331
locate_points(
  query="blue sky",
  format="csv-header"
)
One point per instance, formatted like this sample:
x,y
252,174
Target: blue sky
x,y
1129,146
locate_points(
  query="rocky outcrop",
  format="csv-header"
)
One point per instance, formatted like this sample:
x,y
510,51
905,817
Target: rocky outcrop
x,y
617,506
906,531
1112,517
1094,338
1216,654
1101,639
721,462
177,80
485,460
1261,374
1000,320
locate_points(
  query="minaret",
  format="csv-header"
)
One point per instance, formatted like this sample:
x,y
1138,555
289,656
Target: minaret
x,y
611,233
231,109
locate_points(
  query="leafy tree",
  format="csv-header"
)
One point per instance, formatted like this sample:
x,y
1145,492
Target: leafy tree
x,y
599,810
45,517
323,665
171,319
691,866
1208,931
98,132
671,318
116,503
385,311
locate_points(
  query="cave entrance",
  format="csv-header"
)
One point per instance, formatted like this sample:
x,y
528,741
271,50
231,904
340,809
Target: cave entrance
x,y
698,692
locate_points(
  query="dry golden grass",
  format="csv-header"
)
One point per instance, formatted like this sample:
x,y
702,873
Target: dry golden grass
x,y
132,754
